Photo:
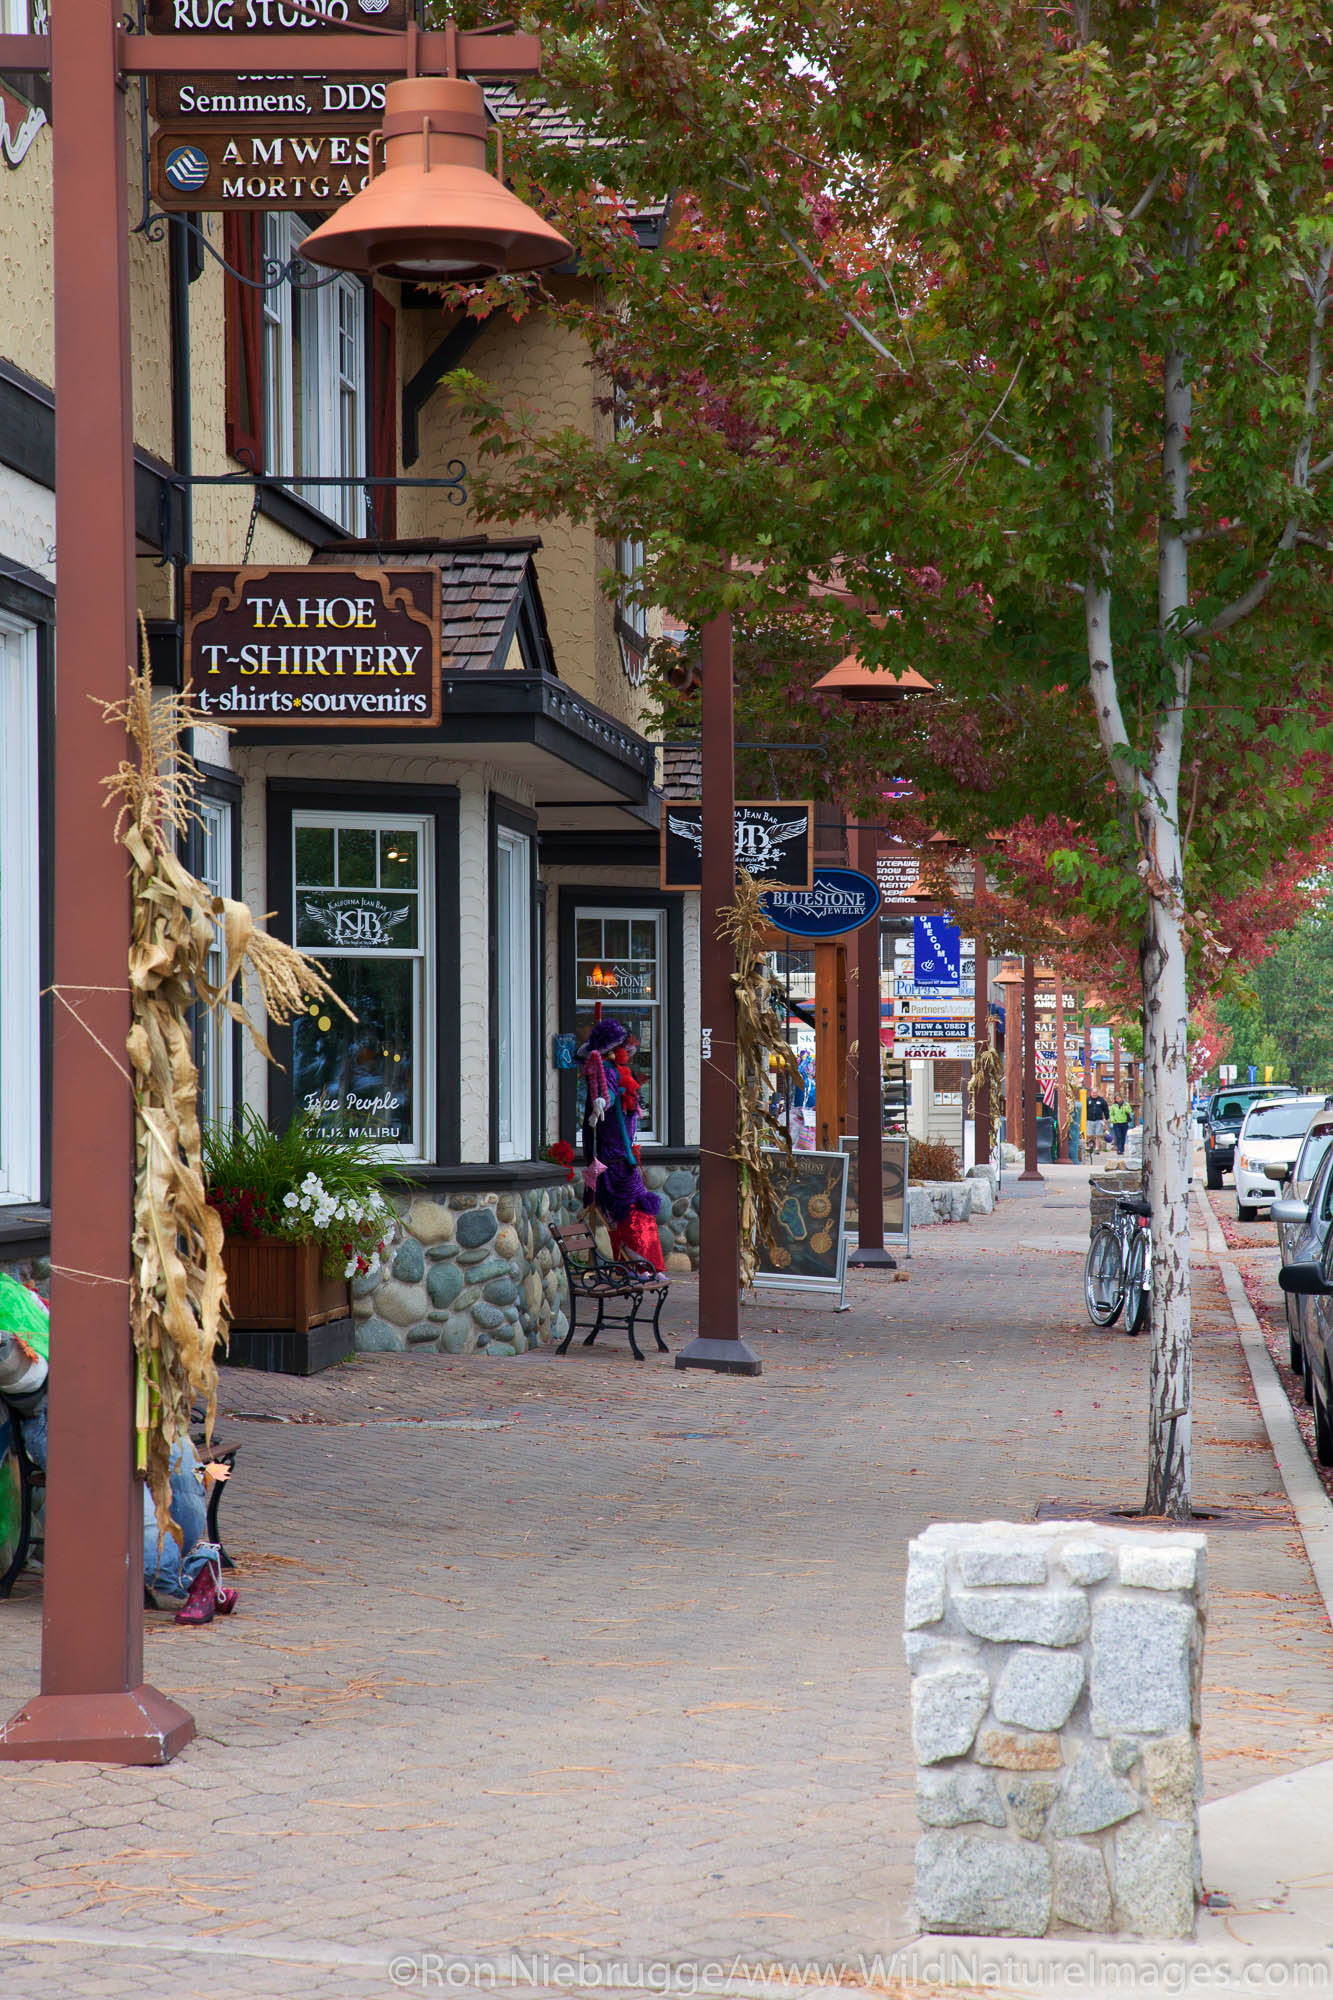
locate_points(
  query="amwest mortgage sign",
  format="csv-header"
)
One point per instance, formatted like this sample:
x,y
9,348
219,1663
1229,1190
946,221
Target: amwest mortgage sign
x,y
314,646
259,165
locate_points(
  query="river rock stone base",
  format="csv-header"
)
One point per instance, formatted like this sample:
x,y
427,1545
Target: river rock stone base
x,y
469,1273
1056,1670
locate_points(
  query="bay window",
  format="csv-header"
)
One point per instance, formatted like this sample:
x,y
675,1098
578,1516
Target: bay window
x,y
619,959
215,1046
513,1040
20,904
314,347
363,902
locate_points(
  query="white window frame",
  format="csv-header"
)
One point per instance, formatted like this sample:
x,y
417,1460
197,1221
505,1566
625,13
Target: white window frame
x,y
513,999
216,1034
20,906
330,322
647,1135
424,1068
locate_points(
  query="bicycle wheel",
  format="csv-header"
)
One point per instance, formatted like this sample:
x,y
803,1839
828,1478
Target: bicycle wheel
x,y
1103,1286
1138,1291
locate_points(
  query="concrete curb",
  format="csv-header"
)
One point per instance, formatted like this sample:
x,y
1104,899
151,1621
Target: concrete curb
x,y
1305,1490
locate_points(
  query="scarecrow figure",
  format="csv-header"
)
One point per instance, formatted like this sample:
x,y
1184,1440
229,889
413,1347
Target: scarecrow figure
x,y
612,1181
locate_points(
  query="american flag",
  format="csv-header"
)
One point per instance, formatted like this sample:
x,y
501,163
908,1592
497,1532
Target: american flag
x,y
1047,1075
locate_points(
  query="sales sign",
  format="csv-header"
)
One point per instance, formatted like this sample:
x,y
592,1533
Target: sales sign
x,y
314,646
261,165
775,842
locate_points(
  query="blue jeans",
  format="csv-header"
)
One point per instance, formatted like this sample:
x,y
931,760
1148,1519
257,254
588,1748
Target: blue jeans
x,y
1121,1134
168,1569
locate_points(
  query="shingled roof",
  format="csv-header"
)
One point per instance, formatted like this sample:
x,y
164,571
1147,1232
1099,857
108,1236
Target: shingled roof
x,y
488,594
552,124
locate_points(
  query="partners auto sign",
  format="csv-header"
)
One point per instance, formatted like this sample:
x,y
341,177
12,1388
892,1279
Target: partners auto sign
x,y
314,646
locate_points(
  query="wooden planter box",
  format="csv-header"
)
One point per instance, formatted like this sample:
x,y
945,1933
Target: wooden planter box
x,y
286,1316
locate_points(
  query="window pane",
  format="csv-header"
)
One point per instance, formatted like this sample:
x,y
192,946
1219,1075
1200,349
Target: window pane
x,y
398,860
314,854
359,1076
356,857
504,973
615,937
382,922
643,939
645,1062
588,937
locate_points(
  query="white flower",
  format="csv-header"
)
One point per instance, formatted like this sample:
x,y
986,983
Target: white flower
x,y
289,1201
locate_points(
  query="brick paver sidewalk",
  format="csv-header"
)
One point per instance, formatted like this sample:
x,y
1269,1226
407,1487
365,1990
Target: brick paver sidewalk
x,y
568,1654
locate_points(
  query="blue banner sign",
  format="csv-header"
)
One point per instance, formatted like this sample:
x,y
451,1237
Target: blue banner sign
x,y
839,900
937,952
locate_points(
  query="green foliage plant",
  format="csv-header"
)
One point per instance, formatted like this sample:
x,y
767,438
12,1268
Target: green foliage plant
x,y
303,1185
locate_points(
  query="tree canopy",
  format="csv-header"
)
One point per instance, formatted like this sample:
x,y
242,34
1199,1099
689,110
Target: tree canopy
x,y
991,338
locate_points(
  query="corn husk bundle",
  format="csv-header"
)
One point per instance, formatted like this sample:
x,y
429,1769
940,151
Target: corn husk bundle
x,y
761,1047
178,1296
987,1074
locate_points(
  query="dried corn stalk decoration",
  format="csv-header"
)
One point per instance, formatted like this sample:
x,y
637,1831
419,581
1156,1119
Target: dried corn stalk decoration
x,y
178,1297
761,1046
987,1074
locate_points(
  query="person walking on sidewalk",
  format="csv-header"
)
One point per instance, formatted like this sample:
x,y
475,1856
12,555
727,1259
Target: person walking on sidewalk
x,y
1122,1117
1098,1113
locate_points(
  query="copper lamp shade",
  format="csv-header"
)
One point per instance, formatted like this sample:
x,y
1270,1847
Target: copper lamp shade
x,y
434,210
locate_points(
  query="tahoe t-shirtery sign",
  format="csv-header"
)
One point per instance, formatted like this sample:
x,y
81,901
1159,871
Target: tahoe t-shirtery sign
x,y
314,646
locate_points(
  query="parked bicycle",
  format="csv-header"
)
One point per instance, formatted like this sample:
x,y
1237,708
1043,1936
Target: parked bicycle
x,y
1118,1273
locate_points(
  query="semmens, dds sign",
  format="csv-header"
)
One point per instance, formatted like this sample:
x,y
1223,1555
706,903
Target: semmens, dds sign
x,y
314,646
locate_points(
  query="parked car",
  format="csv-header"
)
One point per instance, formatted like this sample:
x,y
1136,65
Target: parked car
x,y
1307,1278
1223,1120
1302,1225
1315,1147
1270,1139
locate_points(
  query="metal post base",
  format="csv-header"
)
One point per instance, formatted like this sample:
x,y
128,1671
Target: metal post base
x,y
139,1726
880,1259
1033,1176
724,1357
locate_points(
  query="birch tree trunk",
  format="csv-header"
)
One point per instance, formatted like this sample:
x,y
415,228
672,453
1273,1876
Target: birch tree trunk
x,y
1154,798
1166,1107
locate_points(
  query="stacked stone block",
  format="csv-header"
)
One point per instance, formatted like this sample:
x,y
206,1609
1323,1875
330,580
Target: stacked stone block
x,y
1055,1716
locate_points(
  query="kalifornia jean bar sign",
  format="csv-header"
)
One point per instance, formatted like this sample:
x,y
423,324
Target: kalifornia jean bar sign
x,y
314,647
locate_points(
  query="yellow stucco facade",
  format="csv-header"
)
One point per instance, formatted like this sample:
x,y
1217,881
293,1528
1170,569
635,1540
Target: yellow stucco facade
x,y
537,363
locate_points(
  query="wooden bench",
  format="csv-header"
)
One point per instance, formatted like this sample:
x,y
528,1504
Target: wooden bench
x,y
626,1281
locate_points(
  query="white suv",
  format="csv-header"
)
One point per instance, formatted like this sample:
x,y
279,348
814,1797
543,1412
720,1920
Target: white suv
x,y
1267,1145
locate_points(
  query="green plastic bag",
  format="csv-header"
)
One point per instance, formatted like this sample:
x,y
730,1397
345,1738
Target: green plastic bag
x,y
23,1313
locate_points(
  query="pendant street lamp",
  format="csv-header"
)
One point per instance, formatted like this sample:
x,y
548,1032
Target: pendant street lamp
x,y
434,210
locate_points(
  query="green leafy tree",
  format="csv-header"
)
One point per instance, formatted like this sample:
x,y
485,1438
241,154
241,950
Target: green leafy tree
x,y
1007,326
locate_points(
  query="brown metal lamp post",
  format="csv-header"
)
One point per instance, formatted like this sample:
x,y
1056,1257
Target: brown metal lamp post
x,y
1031,1171
852,680
94,1705
719,1344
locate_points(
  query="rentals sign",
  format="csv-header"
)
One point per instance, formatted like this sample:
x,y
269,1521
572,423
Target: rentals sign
x,y
314,646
